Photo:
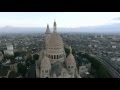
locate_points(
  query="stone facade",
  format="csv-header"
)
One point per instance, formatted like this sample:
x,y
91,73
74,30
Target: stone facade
x,y
53,62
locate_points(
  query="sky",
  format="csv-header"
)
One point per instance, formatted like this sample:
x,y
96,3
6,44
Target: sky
x,y
63,19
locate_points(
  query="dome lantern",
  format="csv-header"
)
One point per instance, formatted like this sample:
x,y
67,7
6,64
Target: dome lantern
x,y
55,26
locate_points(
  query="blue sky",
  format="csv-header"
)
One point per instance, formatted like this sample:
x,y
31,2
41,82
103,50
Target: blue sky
x,y
63,19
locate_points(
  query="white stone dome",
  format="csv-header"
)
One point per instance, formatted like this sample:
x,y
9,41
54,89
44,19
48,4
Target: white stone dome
x,y
45,63
55,41
70,60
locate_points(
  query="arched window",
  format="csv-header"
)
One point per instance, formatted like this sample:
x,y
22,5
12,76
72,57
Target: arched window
x,y
54,57
58,56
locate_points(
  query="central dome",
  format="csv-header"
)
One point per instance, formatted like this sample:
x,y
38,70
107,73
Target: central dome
x,y
55,41
55,46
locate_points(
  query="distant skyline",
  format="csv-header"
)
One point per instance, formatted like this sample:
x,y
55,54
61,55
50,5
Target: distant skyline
x,y
63,19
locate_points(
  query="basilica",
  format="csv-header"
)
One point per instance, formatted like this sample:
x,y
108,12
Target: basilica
x,y
53,62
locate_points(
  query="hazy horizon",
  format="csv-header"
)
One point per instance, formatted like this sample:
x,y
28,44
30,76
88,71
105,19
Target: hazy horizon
x,y
108,22
108,28
63,19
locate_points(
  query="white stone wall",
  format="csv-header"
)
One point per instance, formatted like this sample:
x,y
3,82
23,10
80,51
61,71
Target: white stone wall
x,y
82,70
37,70
9,47
9,52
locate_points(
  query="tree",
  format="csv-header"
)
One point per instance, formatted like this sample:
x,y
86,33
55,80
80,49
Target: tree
x,y
29,62
0,65
12,59
6,57
17,54
99,69
35,57
32,62
22,69
73,51
67,51
29,57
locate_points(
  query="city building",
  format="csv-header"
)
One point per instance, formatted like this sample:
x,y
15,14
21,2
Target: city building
x,y
9,50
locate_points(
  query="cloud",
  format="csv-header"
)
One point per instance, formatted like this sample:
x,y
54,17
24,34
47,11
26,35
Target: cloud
x,y
118,18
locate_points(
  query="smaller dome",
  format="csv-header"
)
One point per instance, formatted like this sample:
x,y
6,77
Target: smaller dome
x,y
70,60
45,63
